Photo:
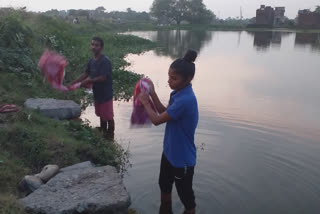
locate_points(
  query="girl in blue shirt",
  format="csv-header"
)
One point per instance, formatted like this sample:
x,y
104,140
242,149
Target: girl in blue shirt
x,y
181,118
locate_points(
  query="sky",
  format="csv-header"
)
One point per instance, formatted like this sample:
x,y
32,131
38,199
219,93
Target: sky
x,y
222,8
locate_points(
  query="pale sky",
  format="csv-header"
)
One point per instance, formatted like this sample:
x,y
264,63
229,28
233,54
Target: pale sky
x,y
222,8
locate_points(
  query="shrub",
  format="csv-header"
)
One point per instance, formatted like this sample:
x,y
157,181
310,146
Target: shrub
x,y
15,46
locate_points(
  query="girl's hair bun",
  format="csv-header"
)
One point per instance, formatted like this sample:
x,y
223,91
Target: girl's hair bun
x,y
190,56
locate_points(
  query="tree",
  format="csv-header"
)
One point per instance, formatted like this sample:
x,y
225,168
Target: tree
x,y
144,16
100,9
53,12
193,11
180,11
162,9
129,16
199,14
72,12
317,10
83,13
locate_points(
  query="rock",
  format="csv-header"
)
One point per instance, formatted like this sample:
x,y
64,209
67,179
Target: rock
x,y
82,165
81,188
29,184
32,182
48,172
58,109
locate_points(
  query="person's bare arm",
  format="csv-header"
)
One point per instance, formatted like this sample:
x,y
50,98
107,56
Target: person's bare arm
x,y
155,118
80,78
94,80
159,106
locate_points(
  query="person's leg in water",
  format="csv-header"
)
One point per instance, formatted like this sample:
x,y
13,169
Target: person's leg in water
x,y
109,116
166,203
183,181
103,122
110,129
105,112
103,125
166,180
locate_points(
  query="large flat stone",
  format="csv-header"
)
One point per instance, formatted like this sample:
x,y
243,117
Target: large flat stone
x,y
77,166
81,189
58,109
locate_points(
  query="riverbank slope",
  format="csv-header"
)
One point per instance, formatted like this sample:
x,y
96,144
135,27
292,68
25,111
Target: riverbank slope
x,y
28,140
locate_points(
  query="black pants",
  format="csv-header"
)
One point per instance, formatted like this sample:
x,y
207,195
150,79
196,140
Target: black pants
x,y
182,177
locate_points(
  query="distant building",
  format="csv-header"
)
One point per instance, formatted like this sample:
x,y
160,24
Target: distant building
x,y
308,19
269,16
279,18
265,16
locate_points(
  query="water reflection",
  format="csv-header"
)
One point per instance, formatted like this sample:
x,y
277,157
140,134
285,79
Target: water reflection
x,y
175,43
264,39
308,39
258,135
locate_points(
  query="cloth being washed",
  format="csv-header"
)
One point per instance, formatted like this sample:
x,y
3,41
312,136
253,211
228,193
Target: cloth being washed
x,y
6,108
52,66
139,116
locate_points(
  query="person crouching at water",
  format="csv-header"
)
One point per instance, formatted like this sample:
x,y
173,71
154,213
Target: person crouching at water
x,y
99,74
181,118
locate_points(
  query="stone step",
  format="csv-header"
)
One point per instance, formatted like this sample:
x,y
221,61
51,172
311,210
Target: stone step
x,y
82,188
57,109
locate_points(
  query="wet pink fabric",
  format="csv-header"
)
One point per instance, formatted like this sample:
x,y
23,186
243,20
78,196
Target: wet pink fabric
x,y
52,66
6,108
139,115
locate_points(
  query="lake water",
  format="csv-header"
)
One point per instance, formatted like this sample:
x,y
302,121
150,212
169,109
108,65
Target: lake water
x,y
258,137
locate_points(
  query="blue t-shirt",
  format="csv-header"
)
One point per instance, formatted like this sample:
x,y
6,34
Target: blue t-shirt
x,y
179,147
102,91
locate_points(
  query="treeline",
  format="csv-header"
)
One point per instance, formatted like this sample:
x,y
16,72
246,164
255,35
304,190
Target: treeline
x,y
100,13
191,11
161,12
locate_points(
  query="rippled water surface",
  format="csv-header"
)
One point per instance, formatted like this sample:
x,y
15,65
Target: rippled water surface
x,y
258,137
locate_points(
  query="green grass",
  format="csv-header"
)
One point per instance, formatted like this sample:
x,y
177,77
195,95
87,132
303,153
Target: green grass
x,y
28,140
9,205
34,141
39,32
132,211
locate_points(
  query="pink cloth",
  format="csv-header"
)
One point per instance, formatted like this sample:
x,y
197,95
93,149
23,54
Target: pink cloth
x,y
52,66
8,108
139,115
104,110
